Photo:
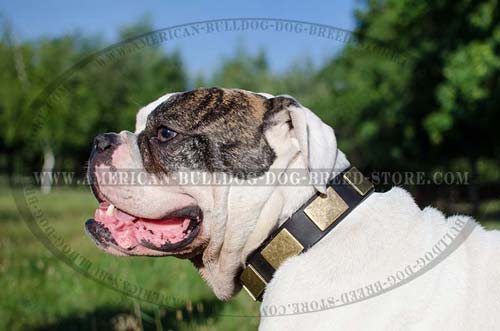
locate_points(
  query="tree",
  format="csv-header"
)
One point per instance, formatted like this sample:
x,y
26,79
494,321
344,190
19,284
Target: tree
x,y
89,99
439,106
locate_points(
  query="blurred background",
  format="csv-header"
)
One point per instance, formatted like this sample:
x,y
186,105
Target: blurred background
x,y
415,88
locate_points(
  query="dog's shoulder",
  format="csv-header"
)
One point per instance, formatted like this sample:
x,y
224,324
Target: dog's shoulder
x,y
382,237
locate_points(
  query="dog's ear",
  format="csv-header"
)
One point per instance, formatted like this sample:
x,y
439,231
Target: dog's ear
x,y
316,140
142,116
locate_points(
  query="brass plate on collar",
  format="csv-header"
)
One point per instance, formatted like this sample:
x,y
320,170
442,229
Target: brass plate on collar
x,y
356,179
283,246
326,208
252,282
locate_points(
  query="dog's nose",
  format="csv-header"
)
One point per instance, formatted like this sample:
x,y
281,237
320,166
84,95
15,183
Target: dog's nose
x,y
106,140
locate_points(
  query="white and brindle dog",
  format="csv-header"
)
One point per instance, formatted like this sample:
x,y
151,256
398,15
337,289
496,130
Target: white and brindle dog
x,y
380,243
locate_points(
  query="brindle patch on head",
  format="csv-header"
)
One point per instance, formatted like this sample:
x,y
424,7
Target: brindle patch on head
x,y
219,130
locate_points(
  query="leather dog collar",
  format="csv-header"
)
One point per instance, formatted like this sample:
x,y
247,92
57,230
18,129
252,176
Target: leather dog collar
x,y
308,225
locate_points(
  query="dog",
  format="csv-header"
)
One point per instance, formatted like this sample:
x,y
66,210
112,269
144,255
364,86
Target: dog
x,y
388,265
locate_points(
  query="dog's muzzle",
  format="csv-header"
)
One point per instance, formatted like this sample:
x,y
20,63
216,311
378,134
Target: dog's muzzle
x,y
131,234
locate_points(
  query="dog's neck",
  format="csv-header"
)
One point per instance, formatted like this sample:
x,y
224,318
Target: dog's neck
x,y
312,221
284,202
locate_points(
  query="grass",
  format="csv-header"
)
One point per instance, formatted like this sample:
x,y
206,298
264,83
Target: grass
x,y
39,292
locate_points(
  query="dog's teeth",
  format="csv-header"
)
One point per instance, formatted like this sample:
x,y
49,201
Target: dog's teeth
x,y
110,210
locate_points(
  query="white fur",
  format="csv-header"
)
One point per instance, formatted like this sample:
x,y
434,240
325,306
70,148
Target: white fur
x,y
381,236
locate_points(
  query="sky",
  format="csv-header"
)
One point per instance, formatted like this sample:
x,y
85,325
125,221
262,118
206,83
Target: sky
x,y
202,54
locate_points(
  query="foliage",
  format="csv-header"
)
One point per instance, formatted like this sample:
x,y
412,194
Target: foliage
x,y
417,88
91,98
434,90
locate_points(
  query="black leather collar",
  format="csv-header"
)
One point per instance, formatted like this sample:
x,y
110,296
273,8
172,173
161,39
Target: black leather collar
x,y
314,220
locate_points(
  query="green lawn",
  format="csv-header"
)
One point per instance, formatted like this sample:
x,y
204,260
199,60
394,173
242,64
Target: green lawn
x,y
40,292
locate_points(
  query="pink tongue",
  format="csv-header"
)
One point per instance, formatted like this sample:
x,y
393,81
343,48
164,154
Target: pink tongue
x,y
129,231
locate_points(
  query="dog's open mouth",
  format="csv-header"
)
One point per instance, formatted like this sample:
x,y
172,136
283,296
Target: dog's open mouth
x,y
124,232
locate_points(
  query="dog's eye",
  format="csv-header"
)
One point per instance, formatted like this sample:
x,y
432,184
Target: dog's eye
x,y
165,134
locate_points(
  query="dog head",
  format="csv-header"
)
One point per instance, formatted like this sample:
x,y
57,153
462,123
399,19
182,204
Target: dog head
x,y
146,206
